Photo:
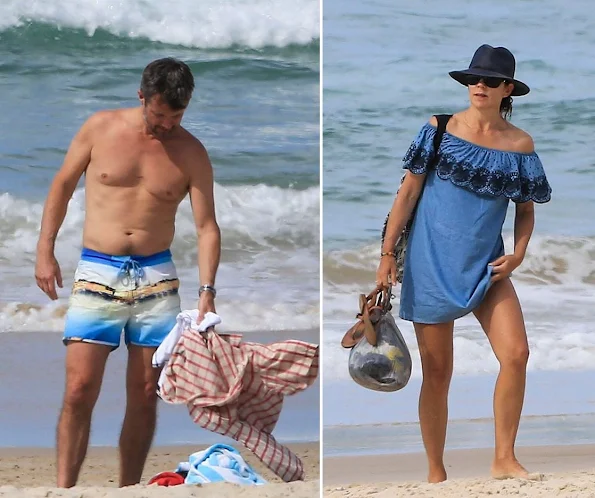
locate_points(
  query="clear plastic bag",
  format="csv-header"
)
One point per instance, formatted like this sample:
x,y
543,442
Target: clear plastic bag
x,y
386,366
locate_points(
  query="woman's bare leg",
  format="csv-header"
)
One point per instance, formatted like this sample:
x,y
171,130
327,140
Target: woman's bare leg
x,y
435,348
502,320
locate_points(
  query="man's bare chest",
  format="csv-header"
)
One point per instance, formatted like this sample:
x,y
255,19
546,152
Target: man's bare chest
x,y
133,164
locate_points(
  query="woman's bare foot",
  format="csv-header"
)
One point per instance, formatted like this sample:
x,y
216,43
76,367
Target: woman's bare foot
x,y
436,475
512,469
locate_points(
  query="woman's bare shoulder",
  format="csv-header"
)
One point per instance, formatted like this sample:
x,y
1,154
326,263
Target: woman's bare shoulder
x,y
520,140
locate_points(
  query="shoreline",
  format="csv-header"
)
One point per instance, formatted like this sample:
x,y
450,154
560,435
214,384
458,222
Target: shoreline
x,y
463,434
566,471
558,409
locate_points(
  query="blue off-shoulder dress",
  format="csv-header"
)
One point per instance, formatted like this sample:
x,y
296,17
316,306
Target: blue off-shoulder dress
x,y
457,229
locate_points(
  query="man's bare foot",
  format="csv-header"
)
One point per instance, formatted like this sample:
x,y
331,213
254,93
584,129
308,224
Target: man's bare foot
x,y
437,475
512,469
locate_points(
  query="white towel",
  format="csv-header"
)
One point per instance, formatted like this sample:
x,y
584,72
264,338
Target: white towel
x,y
184,320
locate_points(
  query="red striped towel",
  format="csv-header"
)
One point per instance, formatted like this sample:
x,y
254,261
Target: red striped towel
x,y
237,388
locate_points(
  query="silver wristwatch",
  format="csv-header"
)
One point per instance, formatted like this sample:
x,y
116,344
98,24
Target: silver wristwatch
x,y
209,288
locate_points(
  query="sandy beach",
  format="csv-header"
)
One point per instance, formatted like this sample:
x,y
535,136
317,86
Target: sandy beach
x,y
565,471
30,472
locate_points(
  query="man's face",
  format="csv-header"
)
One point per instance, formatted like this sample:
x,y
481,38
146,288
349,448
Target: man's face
x,y
160,118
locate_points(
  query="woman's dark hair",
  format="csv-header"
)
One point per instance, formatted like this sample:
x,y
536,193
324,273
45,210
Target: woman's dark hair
x,y
169,78
506,107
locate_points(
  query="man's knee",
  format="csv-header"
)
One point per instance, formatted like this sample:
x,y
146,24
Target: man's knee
x,y
81,395
141,385
142,393
85,365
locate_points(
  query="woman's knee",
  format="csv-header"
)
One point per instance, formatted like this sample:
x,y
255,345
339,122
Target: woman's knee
x,y
516,356
437,370
436,351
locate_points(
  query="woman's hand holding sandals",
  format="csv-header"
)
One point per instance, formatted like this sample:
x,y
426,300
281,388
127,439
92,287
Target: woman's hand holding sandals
x,y
386,274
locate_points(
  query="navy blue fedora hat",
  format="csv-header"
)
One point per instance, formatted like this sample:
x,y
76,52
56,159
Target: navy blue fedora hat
x,y
496,62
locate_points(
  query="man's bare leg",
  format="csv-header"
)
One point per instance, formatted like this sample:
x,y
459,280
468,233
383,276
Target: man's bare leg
x,y
436,351
141,414
85,364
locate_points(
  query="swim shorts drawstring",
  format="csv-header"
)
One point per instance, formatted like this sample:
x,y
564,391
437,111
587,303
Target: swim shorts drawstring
x,y
127,267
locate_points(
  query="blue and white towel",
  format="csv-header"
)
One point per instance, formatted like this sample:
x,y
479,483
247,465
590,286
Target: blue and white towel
x,y
219,463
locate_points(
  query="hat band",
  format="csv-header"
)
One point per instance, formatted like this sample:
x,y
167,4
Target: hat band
x,y
491,71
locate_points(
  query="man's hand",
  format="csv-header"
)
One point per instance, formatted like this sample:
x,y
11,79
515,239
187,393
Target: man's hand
x,y
47,274
206,303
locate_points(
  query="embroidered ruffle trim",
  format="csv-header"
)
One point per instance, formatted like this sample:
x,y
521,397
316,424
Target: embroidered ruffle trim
x,y
510,174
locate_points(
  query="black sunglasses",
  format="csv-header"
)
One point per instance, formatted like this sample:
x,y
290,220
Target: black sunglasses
x,y
490,81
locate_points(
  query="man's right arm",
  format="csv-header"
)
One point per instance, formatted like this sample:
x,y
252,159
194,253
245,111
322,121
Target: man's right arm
x,y
47,269
75,163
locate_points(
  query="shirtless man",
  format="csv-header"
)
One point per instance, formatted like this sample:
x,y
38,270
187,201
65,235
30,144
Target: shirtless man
x,y
139,164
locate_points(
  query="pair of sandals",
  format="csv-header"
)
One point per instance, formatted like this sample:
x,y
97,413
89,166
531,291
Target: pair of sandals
x,y
372,308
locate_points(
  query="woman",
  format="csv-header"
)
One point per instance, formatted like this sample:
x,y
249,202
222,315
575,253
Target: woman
x,y
455,262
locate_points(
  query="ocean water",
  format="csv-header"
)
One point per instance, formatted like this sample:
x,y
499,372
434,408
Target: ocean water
x,y
385,72
256,109
559,409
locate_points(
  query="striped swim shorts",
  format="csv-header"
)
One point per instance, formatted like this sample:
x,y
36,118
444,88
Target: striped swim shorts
x,y
137,295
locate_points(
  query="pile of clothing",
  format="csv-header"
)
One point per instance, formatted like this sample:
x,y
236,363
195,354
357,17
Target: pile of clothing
x,y
236,388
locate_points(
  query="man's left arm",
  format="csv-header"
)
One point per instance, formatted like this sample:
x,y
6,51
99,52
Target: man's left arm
x,y
209,235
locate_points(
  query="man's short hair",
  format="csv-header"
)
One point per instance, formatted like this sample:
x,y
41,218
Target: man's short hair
x,y
171,79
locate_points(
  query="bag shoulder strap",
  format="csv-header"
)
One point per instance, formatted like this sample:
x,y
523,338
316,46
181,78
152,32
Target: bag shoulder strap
x,y
443,120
